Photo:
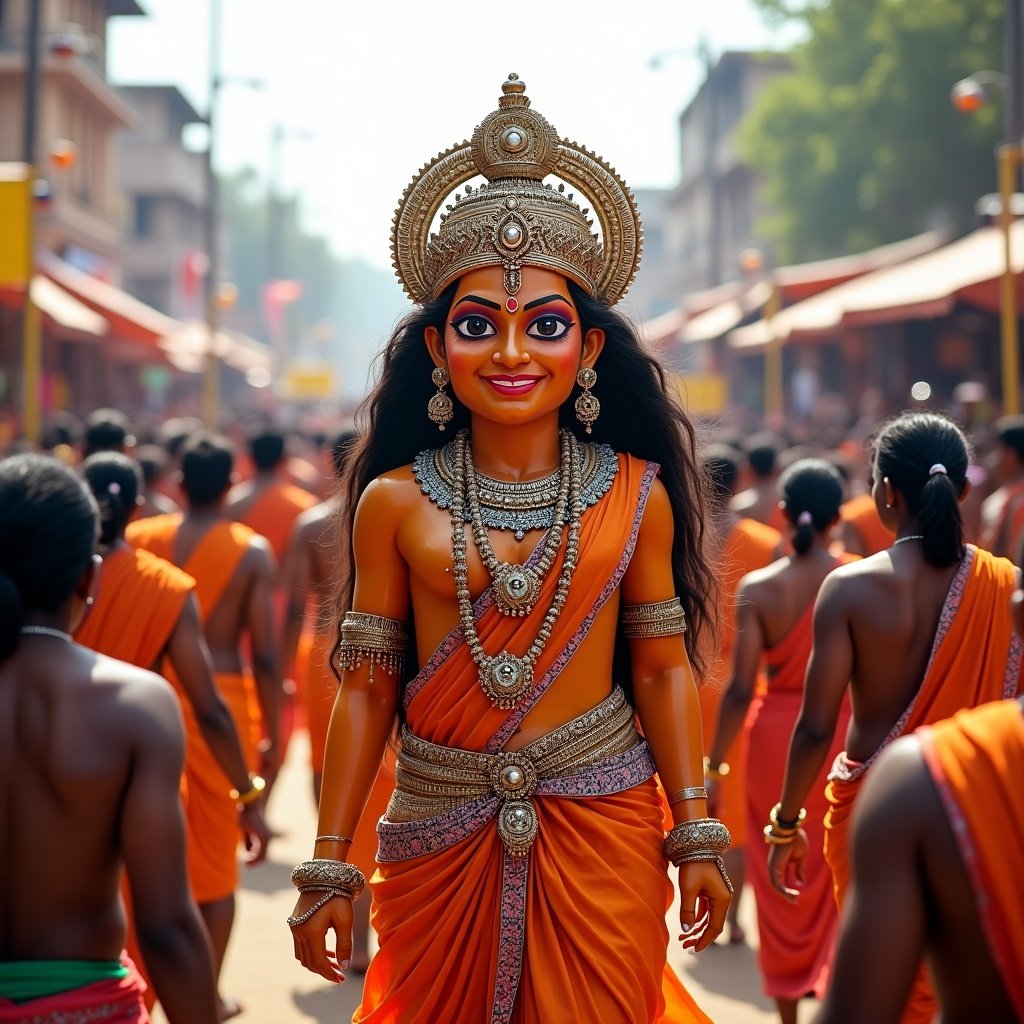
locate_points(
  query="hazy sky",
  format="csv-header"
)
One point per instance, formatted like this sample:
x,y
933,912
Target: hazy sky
x,y
380,86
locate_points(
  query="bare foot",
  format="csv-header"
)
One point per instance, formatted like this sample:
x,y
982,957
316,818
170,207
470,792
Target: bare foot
x,y
228,1008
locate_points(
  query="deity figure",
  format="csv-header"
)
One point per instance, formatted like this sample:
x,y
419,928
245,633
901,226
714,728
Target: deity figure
x,y
522,608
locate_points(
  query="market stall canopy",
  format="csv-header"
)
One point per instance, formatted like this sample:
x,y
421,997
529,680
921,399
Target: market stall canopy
x,y
187,344
929,285
67,316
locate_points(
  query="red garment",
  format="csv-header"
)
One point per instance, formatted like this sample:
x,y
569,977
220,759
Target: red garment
x,y
976,759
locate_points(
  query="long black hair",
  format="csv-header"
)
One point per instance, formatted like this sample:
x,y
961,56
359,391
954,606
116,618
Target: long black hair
x,y
811,491
115,481
48,524
925,457
638,415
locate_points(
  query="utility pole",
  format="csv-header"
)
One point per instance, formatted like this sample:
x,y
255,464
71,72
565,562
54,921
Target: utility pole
x,y
211,369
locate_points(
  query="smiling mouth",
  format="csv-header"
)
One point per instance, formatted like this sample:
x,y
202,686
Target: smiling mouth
x,y
512,385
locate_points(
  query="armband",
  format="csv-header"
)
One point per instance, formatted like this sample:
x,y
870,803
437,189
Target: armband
x,y
644,621
373,638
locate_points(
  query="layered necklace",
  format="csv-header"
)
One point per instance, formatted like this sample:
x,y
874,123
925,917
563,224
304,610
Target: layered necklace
x,y
57,634
505,678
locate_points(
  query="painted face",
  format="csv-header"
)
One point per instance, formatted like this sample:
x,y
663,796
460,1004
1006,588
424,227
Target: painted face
x,y
513,359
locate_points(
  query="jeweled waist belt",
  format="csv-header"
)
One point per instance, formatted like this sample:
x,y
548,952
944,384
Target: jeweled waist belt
x,y
444,794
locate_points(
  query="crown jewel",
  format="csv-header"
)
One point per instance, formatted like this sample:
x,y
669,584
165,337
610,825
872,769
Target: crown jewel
x,y
516,220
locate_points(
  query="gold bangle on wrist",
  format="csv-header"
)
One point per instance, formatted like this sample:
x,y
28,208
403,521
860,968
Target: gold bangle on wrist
x,y
782,826
773,838
715,772
688,793
332,839
256,786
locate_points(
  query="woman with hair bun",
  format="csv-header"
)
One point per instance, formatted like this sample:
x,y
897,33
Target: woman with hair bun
x,y
91,751
774,607
917,631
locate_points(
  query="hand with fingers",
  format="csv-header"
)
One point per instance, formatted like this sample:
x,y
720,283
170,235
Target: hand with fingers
x,y
257,833
309,934
786,862
704,897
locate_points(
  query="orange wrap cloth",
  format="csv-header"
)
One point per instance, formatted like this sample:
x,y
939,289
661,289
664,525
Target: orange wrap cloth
x,y
273,512
1005,533
976,760
211,813
749,545
796,939
138,603
111,1001
975,658
861,514
573,930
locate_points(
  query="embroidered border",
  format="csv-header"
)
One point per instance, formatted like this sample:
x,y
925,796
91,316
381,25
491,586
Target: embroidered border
x,y
949,609
512,721
515,873
404,840
1011,681
613,775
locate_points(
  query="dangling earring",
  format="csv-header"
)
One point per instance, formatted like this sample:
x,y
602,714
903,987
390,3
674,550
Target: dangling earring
x,y
440,408
588,408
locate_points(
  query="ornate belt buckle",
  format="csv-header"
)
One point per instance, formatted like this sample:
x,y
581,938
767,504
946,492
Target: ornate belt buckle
x,y
514,778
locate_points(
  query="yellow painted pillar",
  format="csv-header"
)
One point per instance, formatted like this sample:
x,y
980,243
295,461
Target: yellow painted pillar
x,y
774,402
1009,157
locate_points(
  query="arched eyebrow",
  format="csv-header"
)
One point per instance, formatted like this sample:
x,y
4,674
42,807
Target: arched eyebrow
x,y
541,301
482,302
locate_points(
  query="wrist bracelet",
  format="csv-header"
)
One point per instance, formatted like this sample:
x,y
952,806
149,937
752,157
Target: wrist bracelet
x,y
709,855
688,793
773,838
701,835
334,874
783,827
332,839
297,919
256,786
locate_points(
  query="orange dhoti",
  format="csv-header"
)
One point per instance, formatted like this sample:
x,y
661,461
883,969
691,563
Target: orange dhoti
x,y
975,658
976,760
477,925
796,939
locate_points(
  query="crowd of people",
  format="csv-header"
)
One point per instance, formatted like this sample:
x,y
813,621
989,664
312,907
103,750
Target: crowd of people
x,y
584,641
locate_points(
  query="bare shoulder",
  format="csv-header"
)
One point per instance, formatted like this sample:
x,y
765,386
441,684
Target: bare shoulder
x,y
849,581
259,556
657,518
390,496
143,700
311,522
763,584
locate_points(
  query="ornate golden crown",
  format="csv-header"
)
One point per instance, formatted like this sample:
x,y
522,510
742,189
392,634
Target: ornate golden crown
x,y
515,220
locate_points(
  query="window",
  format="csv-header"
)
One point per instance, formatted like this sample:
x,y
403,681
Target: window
x,y
143,216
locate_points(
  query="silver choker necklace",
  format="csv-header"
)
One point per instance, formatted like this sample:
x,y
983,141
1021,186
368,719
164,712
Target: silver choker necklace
x,y
45,631
516,506
909,536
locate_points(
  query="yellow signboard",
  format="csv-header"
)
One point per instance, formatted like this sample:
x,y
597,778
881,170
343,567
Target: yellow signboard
x,y
702,394
15,210
308,383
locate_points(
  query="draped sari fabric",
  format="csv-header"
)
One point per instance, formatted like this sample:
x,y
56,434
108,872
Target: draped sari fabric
x,y
860,512
575,930
211,814
796,939
976,760
749,545
975,658
273,512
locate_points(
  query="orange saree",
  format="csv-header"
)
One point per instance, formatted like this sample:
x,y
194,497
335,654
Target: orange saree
x,y
796,939
211,814
273,512
976,760
975,658
573,929
749,545
861,514
137,606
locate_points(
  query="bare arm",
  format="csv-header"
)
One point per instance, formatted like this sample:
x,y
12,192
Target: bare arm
x,y
828,675
170,932
297,582
190,657
667,705
266,668
745,662
363,717
883,927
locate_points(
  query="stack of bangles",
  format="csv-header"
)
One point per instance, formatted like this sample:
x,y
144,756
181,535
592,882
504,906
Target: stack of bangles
x,y
700,839
332,878
780,832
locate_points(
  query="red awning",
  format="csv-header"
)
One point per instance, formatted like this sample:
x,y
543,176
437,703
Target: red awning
x,y
61,311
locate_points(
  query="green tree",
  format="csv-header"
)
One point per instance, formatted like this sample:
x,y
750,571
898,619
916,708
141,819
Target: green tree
x,y
861,145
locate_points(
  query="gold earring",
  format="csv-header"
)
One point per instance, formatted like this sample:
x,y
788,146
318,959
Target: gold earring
x,y
588,408
440,408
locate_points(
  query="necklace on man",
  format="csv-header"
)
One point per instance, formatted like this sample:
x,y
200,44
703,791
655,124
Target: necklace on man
x,y
506,677
59,634
909,536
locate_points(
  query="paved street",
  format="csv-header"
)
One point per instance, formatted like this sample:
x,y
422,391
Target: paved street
x,y
262,973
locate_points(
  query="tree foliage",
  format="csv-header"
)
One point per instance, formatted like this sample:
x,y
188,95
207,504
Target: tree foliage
x,y
861,145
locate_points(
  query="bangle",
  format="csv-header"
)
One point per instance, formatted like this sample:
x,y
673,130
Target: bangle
x,y
709,855
297,919
715,772
332,839
773,838
783,827
705,836
323,873
688,793
256,786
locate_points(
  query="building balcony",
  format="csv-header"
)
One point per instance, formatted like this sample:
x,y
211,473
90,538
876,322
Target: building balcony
x,y
161,170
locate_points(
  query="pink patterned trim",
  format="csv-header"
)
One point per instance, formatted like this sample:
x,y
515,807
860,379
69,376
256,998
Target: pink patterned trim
x,y
968,851
511,937
613,775
404,840
1011,681
950,607
515,717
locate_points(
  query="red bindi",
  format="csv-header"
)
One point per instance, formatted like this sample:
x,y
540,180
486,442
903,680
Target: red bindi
x,y
511,304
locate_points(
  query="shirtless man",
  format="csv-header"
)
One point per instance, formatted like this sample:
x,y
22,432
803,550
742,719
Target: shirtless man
x,y
234,572
760,500
91,751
